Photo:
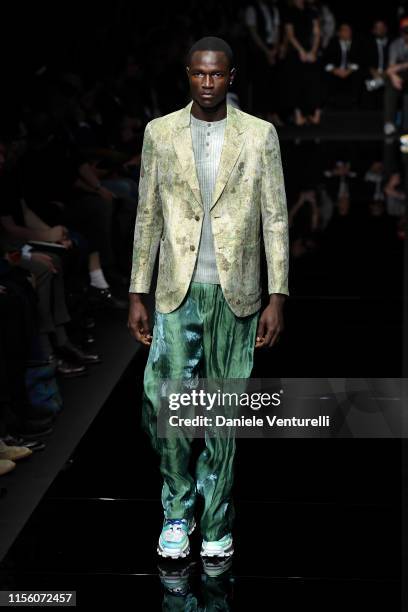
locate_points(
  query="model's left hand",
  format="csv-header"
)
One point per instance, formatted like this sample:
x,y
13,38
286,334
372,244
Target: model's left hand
x,y
270,325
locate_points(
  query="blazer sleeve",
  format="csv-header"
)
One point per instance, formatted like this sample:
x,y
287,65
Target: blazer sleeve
x,y
275,216
149,219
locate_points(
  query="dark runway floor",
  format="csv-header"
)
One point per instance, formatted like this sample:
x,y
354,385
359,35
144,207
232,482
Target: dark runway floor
x,y
318,521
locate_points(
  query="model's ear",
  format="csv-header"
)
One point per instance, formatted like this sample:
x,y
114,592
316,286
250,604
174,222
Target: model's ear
x,y
188,70
233,72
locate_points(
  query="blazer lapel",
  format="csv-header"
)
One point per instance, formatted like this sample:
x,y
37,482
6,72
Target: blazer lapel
x,y
231,149
183,146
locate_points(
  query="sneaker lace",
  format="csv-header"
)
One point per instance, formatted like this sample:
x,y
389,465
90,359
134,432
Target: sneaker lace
x,y
175,526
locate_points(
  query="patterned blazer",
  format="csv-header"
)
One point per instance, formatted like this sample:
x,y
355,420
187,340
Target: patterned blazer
x,y
249,195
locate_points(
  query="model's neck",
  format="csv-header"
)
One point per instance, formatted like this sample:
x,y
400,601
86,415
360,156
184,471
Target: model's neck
x,y
209,114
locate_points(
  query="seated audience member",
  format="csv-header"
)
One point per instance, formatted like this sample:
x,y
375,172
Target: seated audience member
x,y
13,350
396,78
47,271
342,65
20,349
101,146
376,62
63,189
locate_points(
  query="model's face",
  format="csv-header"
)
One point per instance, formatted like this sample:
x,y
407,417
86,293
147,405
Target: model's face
x,y
209,75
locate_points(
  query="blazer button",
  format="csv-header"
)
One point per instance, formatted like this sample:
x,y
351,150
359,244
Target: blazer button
x,y
197,218
192,247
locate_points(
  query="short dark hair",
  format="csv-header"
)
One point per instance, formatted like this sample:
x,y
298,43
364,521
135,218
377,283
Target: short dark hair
x,y
212,43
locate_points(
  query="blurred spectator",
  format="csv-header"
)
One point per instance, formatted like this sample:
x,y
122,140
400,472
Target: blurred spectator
x,y
402,9
340,181
263,21
376,62
47,272
327,22
303,220
62,188
302,80
14,344
342,65
396,79
374,181
395,196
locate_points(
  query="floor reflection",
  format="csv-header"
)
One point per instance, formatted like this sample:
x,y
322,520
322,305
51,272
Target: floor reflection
x,y
183,593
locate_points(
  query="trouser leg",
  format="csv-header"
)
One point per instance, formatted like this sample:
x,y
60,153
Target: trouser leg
x,y
50,291
203,338
175,354
228,343
59,307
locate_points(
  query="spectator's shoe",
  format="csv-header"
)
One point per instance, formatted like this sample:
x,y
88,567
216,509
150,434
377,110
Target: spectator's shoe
x,y
31,429
105,298
67,369
218,548
215,567
70,351
13,453
174,541
6,466
34,445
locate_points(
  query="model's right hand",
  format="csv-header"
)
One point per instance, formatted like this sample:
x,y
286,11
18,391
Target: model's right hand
x,y
138,321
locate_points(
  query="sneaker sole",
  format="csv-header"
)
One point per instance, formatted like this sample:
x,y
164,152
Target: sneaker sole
x,y
178,554
205,552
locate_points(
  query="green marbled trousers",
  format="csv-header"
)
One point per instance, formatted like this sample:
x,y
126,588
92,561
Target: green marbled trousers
x,y
203,338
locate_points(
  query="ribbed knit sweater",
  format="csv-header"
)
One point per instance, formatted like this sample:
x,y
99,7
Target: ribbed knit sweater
x,y
207,138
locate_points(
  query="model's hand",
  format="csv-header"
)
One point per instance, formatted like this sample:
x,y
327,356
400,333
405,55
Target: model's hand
x,y
138,321
270,326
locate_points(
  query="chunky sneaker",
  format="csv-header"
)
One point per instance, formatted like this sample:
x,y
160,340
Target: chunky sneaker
x,y
173,541
219,548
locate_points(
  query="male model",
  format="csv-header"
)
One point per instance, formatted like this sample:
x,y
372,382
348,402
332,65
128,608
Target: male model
x,y
210,174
